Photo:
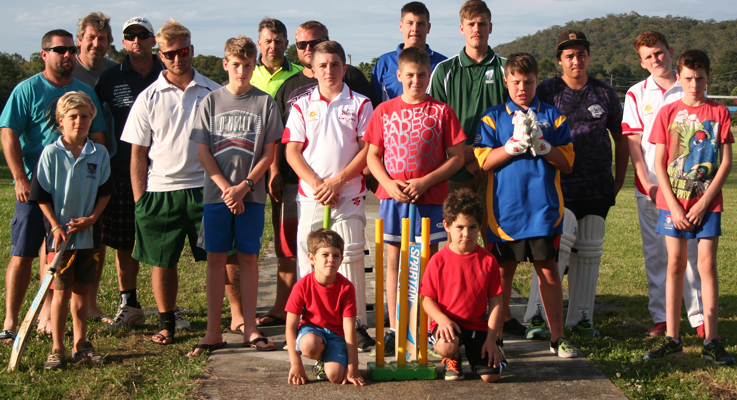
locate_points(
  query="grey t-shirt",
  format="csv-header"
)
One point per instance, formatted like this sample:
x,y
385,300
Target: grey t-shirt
x,y
236,128
90,75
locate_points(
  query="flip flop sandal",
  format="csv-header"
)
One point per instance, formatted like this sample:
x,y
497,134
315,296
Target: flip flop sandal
x,y
7,334
275,321
236,331
209,348
254,344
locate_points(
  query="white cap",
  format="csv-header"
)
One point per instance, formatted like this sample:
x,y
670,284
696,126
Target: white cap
x,y
139,21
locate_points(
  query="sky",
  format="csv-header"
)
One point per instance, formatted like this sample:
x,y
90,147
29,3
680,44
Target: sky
x,y
366,29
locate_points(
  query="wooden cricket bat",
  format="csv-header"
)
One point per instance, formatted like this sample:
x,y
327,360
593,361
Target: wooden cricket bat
x,y
21,339
413,285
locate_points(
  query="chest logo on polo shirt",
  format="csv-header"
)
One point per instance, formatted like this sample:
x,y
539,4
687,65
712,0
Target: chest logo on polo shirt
x,y
347,115
648,109
489,76
311,115
596,111
91,170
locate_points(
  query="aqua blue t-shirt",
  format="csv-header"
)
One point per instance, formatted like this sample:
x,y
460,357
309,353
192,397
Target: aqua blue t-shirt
x,y
31,113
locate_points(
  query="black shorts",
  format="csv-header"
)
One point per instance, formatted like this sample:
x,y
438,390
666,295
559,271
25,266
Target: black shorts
x,y
473,341
119,217
538,248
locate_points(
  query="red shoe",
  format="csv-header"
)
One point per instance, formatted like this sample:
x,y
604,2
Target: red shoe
x,y
657,330
701,331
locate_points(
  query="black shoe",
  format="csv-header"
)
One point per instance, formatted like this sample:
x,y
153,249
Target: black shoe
x,y
514,327
666,347
365,342
714,352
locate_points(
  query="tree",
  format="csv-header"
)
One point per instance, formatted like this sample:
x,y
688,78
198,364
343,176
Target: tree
x,y
11,72
34,65
366,68
546,69
115,55
291,54
211,67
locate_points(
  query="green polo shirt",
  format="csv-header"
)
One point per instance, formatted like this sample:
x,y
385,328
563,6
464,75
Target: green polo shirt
x,y
264,80
470,88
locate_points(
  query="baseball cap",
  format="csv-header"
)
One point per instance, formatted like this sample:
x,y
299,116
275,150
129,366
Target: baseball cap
x,y
139,21
570,38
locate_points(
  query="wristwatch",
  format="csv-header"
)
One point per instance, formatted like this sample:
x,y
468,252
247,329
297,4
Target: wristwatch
x,y
249,183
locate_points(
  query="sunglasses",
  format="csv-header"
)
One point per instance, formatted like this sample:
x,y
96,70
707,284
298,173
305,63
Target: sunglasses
x,y
303,45
140,35
63,49
183,52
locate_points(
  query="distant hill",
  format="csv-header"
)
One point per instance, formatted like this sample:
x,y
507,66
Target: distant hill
x,y
613,57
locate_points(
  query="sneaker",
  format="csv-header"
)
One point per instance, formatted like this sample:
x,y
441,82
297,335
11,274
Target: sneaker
x,y
563,348
365,342
389,345
585,328
701,331
55,361
714,352
180,324
659,329
666,347
538,329
319,371
127,317
453,368
514,327
431,346
88,355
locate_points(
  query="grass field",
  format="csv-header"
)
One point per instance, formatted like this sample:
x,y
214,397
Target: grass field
x,y
137,368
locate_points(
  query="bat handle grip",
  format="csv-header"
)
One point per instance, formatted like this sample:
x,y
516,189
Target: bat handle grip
x,y
326,218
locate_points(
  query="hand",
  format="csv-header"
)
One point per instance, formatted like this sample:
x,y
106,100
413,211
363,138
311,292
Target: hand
x,y
473,168
327,190
447,331
235,194
540,147
59,236
696,214
490,348
353,376
276,186
297,375
238,209
22,189
78,224
416,187
396,191
679,219
515,147
651,190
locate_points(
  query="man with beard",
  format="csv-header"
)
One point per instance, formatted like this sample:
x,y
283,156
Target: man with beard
x,y
166,177
117,89
28,125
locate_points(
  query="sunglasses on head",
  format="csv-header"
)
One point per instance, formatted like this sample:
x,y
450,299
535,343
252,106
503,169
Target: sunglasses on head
x,y
303,45
140,35
183,52
63,49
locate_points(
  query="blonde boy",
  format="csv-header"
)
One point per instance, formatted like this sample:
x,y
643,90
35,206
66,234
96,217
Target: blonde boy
x,y
327,332
325,147
414,147
235,130
693,157
72,186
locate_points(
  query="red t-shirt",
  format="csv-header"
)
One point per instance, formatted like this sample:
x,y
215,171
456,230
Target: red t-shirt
x,y
413,139
324,306
693,137
461,285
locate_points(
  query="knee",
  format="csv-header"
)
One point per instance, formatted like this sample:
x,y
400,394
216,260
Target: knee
x,y
311,346
491,378
447,349
335,372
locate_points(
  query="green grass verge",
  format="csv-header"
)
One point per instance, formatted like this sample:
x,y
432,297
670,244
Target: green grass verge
x,y
134,366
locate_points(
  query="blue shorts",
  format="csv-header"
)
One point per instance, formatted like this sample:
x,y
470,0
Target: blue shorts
x,y
27,230
393,211
711,227
336,349
225,230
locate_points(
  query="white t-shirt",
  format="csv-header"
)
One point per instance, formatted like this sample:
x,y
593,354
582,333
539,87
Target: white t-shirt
x,y
641,105
330,132
162,118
